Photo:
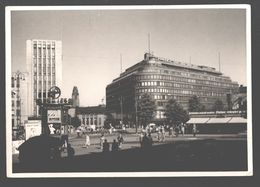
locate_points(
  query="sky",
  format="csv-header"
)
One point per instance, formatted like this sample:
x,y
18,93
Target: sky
x,y
92,41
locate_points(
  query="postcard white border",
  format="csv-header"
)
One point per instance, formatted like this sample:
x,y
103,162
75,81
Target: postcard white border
x,y
9,170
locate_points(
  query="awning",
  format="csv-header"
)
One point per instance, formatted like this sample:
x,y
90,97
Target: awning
x,y
225,120
218,120
238,120
197,120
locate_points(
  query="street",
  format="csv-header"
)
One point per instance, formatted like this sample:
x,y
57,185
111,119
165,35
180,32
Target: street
x,y
131,141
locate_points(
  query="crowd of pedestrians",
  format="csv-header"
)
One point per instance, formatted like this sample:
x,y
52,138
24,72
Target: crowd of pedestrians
x,y
145,139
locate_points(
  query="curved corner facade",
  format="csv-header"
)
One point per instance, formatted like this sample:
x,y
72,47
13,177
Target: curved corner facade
x,y
164,79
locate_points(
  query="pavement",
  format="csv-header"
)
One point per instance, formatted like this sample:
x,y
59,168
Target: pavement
x,y
131,140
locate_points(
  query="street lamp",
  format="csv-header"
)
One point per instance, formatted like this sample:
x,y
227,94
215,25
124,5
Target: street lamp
x,y
121,109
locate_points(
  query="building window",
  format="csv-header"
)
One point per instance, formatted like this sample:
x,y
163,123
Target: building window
x,y
12,82
18,112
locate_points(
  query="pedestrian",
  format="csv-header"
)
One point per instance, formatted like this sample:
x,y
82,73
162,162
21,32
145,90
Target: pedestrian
x,y
150,140
71,151
163,134
105,146
78,132
115,146
194,130
182,129
102,138
120,140
87,143
171,131
141,138
64,142
159,134
177,130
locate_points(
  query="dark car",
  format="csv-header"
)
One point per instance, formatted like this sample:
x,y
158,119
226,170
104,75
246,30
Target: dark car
x,y
39,150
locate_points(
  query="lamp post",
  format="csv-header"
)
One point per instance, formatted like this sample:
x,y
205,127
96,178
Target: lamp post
x,y
136,117
121,109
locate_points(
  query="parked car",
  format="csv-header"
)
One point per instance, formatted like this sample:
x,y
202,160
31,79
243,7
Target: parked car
x,y
39,150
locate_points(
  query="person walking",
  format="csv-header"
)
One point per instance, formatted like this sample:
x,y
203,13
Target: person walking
x,y
177,130
102,138
194,130
71,152
171,131
182,129
87,143
141,138
163,133
120,140
106,147
115,146
159,134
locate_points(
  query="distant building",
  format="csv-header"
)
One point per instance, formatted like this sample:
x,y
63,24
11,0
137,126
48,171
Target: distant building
x,y
92,115
19,88
44,65
75,97
163,79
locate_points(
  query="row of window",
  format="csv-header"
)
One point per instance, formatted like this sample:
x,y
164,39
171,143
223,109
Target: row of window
x,y
181,79
45,86
42,61
45,78
17,103
43,43
15,82
185,74
171,84
91,120
180,91
159,114
178,98
43,53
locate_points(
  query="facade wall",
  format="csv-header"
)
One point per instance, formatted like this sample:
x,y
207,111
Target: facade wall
x,y
44,64
164,79
92,119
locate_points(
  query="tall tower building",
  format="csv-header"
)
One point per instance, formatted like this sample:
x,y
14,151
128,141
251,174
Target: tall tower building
x,y
75,97
44,65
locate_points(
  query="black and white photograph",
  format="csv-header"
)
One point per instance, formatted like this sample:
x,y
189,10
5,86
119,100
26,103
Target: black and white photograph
x,y
128,91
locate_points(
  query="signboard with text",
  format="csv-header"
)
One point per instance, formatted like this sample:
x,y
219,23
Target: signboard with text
x,y
54,116
33,128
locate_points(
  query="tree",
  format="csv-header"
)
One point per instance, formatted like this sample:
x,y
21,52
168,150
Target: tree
x,y
175,114
146,109
195,105
109,120
218,105
75,121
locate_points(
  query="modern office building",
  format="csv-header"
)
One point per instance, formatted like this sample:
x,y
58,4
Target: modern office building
x,y
19,88
164,79
44,65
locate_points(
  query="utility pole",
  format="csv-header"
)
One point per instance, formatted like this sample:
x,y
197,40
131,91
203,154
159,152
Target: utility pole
x,y
219,61
136,116
121,107
149,50
120,63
